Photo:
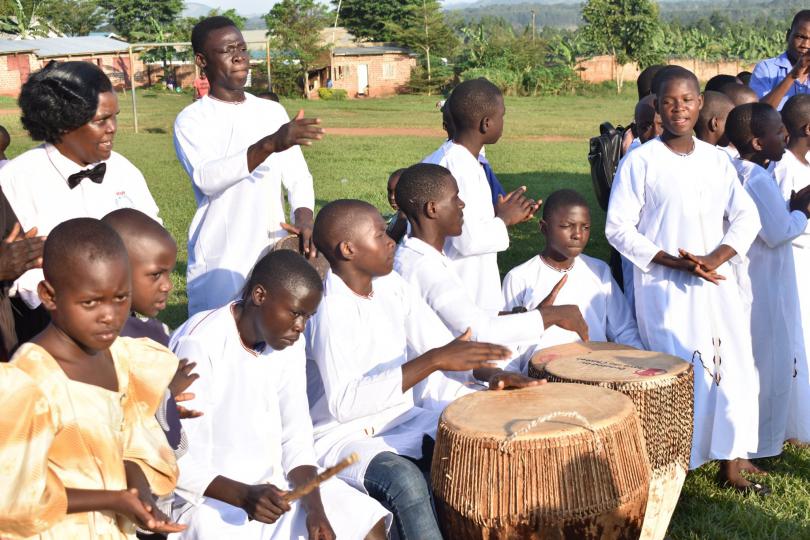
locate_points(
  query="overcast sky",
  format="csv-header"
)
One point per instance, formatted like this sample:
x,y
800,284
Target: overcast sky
x,y
254,7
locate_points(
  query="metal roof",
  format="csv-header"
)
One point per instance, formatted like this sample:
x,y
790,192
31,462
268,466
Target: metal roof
x,y
372,50
63,46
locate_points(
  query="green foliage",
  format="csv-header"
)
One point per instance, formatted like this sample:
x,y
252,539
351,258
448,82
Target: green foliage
x,y
623,28
440,81
295,28
367,20
73,17
23,19
143,20
421,26
286,77
333,94
184,26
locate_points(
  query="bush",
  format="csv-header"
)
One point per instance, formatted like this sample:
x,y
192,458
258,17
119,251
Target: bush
x,y
508,81
441,79
333,94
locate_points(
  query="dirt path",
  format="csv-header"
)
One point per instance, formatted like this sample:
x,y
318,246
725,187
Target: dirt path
x,y
428,132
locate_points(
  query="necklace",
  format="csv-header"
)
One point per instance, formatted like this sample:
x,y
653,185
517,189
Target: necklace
x,y
681,154
228,102
561,270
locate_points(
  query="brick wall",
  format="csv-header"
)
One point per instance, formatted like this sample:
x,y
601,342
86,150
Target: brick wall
x,y
602,68
14,71
387,74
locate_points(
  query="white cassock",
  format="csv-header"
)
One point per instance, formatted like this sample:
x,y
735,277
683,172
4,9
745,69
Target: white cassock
x,y
255,429
775,303
356,346
475,252
793,175
431,273
662,201
590,287
36,185
238,212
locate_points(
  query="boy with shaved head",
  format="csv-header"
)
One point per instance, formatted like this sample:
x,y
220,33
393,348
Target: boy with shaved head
x,y
239,151
739,94
666,215
711,124
254,441
378,355
477,111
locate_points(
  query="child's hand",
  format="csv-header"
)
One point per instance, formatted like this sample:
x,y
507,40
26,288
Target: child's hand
x,y
182,411
145,515
552,296
507,380
461,354
702,266
265,503
318,527
183,378
515,207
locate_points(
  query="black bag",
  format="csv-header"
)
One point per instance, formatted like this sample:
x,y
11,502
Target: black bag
x,y
604,155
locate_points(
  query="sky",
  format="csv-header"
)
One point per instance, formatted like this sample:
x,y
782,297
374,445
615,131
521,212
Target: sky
x,y
254,7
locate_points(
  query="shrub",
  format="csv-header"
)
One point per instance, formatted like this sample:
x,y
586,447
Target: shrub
x,y
333,94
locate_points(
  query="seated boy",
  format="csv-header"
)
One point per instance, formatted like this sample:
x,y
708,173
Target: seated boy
x,y
758,133
428,195
377,354
255,440
566,226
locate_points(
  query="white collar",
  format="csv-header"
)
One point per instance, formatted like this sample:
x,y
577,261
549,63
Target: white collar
x,y
64,165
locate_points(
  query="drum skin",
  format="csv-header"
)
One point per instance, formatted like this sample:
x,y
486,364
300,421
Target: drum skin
x,y
580,472
291,243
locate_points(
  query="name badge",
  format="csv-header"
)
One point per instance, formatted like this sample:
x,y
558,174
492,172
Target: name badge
x,y
122,200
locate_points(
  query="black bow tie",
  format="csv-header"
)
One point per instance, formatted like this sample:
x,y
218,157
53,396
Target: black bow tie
x,y
96,174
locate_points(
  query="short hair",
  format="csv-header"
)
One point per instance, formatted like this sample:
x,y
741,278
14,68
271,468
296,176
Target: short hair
x,y
801,16
745,77
716,83
74,243
472,100
133,225
746,122
61,97
673,73
282,270
796,113
447,119
5,138
739,93
645,79
199,34
563,198
396,174
336,222
420,184
714,104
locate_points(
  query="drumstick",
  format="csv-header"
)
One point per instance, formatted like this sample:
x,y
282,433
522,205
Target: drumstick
x,y
307,488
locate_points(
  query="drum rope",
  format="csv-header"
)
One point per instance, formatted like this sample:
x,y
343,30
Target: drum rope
x,y
505,444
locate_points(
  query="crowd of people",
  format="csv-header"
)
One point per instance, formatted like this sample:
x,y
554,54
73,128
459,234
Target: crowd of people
x,y
120,425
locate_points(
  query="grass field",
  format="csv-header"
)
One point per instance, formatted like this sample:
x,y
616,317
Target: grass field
x,y
544,148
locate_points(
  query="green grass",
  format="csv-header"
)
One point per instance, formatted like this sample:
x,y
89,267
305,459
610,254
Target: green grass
x,y
354,166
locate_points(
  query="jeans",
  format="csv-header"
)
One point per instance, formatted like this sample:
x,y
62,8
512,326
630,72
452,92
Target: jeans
x,y
400,486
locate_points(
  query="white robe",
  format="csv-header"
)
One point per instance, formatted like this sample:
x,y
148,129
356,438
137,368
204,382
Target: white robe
x,y
475,252
775,303
238,212
590,286
255,429
793,175
431,273
355,348
664,201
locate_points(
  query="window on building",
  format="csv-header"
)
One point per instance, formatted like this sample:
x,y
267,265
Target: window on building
x,y
340,72
389,70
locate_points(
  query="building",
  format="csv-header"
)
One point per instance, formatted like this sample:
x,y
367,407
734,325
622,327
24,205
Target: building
x,y
19,57
364,70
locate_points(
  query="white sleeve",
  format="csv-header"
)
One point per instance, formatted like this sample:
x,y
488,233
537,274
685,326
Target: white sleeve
x,y
196,465
624,213
208,172
621,325
296,424
741,213
354,386
296,178
779,225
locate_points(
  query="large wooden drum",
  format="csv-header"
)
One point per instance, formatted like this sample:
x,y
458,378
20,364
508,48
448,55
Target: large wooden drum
x,y
292,243
661,388
547,462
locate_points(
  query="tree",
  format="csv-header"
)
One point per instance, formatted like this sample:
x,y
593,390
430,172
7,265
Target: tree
x,y
367,20
625,29
23,19
73,17
143,20
423,27
294,27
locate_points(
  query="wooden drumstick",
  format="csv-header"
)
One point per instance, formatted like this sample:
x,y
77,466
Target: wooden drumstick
x,y
307,488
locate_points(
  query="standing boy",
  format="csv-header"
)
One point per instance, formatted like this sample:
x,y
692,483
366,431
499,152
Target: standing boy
x,y
776,79
666,215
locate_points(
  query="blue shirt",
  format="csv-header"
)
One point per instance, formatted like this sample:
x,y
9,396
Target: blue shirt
x,y
770,72
494,184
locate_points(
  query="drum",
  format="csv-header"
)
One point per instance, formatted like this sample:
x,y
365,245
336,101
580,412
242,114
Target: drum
x,y
541,357
552,461
292,243
661,388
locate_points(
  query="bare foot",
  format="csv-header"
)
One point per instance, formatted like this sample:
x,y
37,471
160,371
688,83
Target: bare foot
x,y
798,444
745,465
730,476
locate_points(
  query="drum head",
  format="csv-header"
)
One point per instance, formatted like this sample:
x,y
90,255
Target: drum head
x,y
617,365
292,243
499,414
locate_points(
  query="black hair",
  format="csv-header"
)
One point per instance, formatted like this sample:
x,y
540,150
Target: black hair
x,y
796,113
61,97
471,101
420,184
746,122
562,198
801,16
714,103
74,243
335,223
447,119
671,73
133,225
645,80
716,83
282,270
745,77
738,93
396,174
5,138
199,34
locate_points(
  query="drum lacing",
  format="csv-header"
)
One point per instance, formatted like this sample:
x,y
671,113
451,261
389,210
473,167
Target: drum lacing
x,y
505,444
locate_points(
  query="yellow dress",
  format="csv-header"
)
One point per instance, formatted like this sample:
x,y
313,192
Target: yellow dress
x,y
95,430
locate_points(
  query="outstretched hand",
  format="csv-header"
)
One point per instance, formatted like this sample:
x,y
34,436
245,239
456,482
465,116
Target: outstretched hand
x,y
143,513
461,354
298,131
504,380
20,253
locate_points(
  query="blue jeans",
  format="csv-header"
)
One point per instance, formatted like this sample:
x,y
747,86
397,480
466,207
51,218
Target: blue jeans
x,y
400,486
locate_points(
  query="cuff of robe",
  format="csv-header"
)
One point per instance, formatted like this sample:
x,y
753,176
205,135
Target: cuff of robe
x,y
301,198
193,483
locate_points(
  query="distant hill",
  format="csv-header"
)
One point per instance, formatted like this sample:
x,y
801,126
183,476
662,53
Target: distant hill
x,y
193,9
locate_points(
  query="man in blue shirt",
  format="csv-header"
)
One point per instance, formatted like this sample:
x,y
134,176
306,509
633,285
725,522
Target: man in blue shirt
x,y
776,79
